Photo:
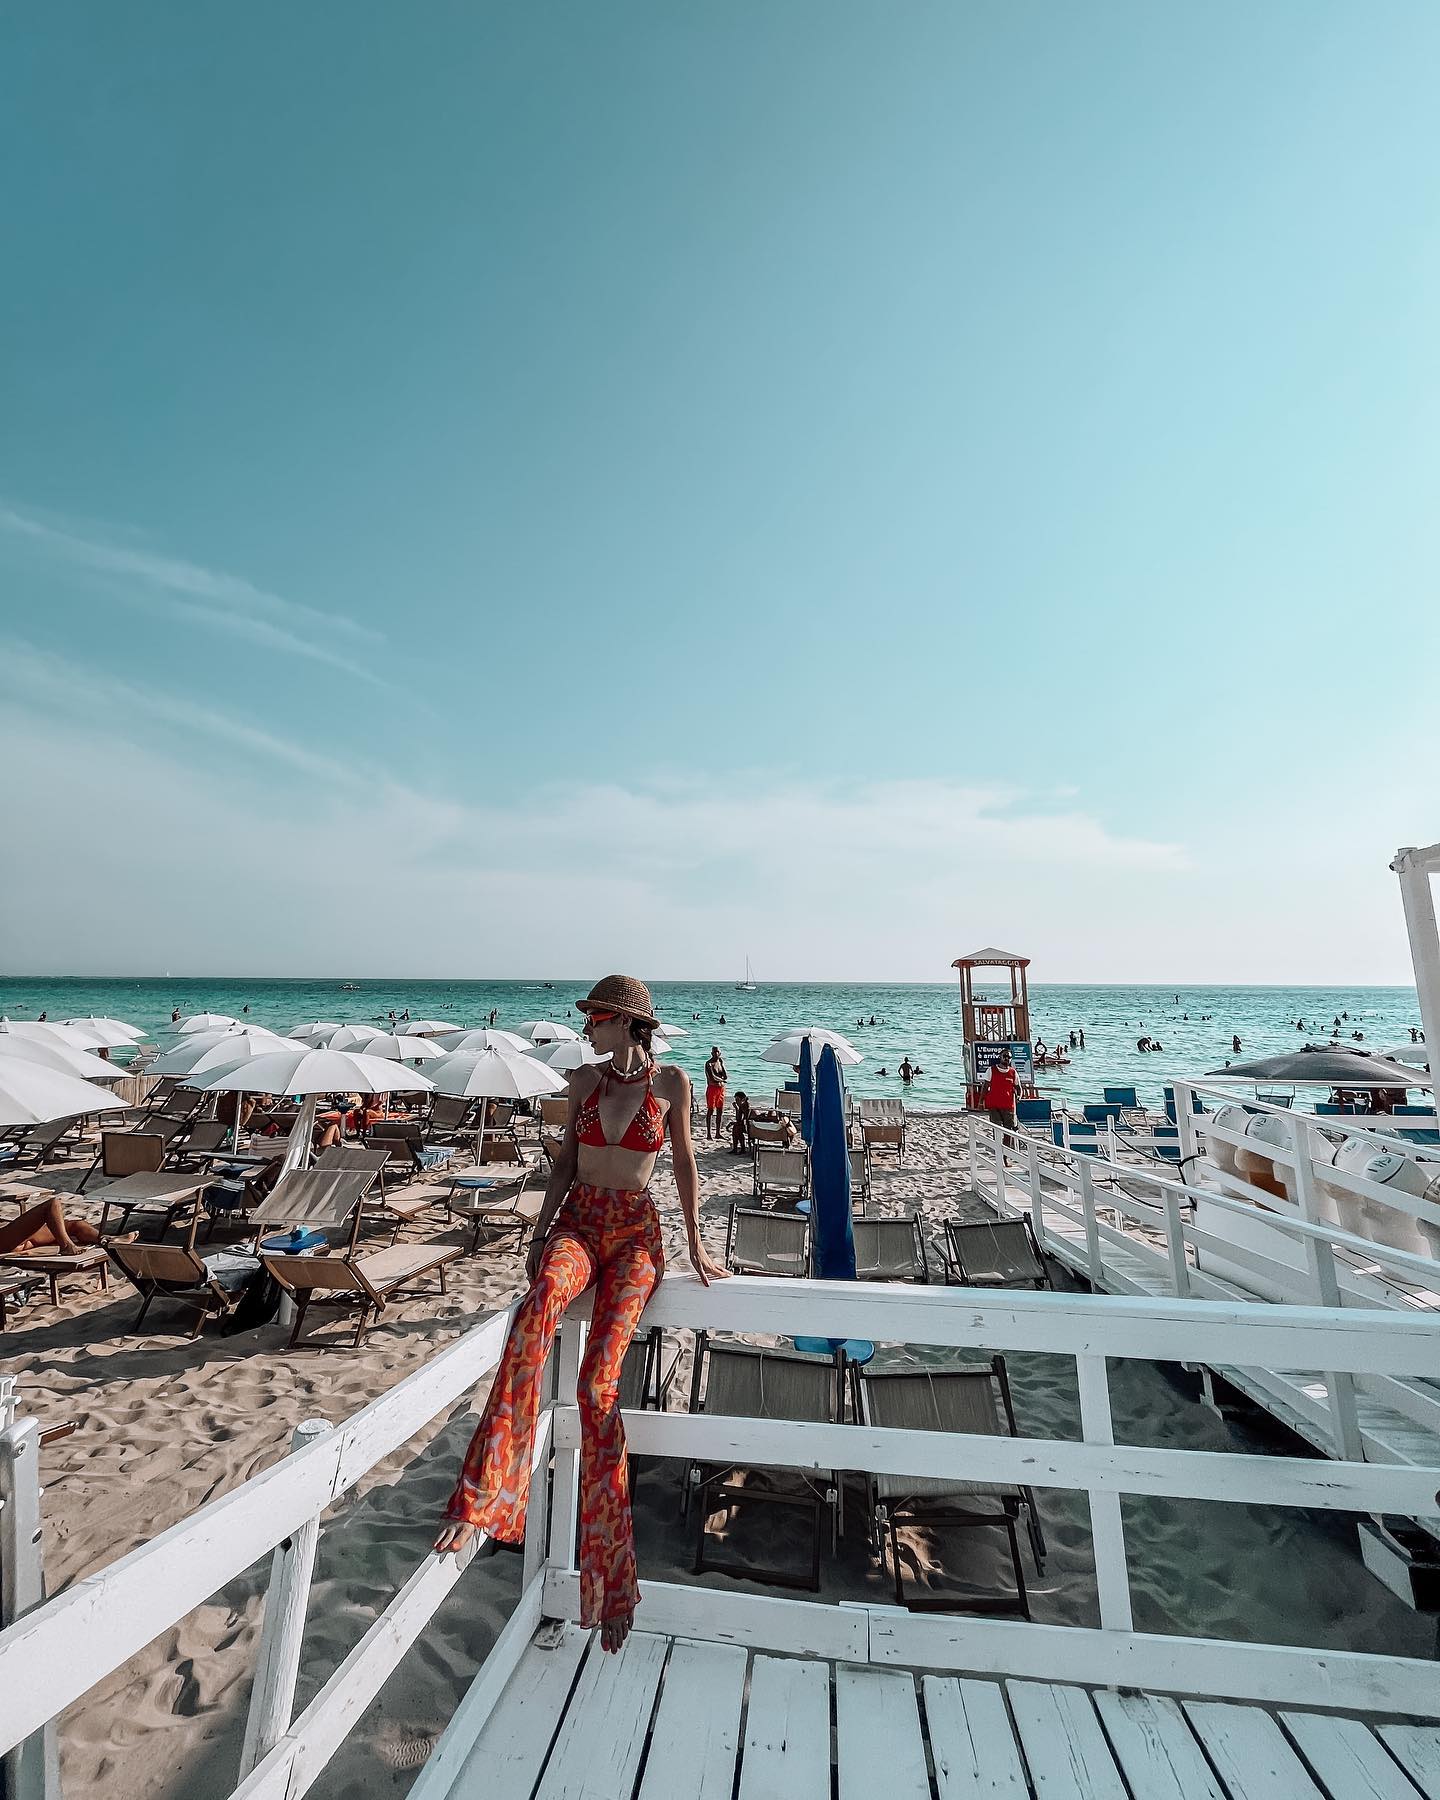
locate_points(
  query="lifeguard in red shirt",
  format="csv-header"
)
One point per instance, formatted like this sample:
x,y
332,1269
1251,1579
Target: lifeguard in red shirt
x,y
1000,1092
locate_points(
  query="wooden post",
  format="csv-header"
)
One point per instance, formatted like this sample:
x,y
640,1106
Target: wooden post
x,y
1093,1256
1175,1242
1320,1256
277,1666
1107,1527
32,1768
565,1487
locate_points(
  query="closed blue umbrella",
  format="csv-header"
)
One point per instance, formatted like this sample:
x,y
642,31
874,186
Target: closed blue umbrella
x,y
807,1092
830,1175
834,1257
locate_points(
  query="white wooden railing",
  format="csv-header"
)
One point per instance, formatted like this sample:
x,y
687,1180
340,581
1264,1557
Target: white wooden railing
x,y
53,1655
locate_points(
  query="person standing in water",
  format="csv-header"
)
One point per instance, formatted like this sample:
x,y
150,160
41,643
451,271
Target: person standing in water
x,y
597,1225
716,1075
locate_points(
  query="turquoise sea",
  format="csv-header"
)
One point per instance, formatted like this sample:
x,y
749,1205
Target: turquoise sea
x,y
1194,1024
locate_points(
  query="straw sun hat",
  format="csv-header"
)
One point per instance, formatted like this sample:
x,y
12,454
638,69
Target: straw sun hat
x,y
620,994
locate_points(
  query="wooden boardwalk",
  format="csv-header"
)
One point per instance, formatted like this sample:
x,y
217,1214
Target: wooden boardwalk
x,y
680,1719
1298,1398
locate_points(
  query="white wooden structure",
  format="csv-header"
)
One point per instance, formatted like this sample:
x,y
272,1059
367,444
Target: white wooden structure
x,y
717,1677
1135,1229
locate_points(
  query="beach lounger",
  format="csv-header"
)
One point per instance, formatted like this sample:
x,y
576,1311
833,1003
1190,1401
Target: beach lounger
x,y
782,1172
1035,1116
770,1136
994,1253
764,1384
370,1282
491,1203
758,1242
787,1100
155,1195
34,1145
408,1153
208,1135
647,1373
889,1250
211,1285
54,1265
314,1200
16,1289
860,1185
973,1401
554,1111
1125,1097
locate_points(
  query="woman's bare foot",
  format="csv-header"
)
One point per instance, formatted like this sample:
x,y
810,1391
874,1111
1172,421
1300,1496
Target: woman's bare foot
x,y
454,1534
613,1632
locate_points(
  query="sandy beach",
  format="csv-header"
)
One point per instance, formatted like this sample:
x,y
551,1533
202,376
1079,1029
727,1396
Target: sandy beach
x,y
165,1425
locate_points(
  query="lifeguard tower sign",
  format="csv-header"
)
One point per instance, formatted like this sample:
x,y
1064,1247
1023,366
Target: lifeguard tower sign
x,y
991,1022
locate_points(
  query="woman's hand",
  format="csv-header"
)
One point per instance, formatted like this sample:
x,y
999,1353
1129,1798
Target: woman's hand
x,y
705,1265
454,1535
532,1261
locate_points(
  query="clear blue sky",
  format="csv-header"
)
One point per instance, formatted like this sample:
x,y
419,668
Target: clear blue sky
x,y
632,485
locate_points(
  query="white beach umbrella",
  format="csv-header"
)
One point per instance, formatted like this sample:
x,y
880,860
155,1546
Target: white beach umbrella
x,y
564,1057
355,1037
205,1022
486,1037
493,1075
1406,1053
426,1027
546,1031
318,1031
208,1050
79,1063
298,1069
670,1031
42,1032
111,1033
786,1048
33,1095
401,1049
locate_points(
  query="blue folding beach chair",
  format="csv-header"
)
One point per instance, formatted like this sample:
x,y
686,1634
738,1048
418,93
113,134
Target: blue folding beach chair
x,y
1121,1096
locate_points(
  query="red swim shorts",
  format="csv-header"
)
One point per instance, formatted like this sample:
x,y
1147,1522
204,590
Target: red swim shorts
x,y
715,1096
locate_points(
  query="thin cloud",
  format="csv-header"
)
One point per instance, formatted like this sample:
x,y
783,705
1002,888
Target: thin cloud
x,y
197,595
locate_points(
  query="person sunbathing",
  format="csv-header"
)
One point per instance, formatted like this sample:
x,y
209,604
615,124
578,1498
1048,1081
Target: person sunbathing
x,y
45,1228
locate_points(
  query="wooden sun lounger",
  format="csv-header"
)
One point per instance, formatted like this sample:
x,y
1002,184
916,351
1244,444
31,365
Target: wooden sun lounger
x,y
994,1253
211,1286
54,1266
764,1384
758,1242
369,1282
953,1400
314,1199
153,1195
497,1206
782,1172
889,1250
17,1288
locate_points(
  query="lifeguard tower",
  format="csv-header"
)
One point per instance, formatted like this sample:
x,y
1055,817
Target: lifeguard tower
x,y
991,1023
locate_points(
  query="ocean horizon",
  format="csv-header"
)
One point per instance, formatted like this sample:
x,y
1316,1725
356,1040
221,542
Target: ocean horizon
x,y
1195,1023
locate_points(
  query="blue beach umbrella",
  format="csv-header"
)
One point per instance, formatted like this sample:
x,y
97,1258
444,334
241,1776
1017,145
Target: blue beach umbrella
x,y
807,1092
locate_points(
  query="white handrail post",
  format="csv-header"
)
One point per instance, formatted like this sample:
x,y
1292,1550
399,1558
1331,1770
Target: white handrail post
x,y
1185,1125
1111,1140
1414,868
1107,1526
277,1664
1320,1255
565,1487
1037,1202
1175,1242
32,1768
9,1401
970,1163
1093,1257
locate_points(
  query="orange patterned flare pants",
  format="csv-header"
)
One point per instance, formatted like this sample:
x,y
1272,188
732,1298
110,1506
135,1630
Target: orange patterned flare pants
x,y
612,1238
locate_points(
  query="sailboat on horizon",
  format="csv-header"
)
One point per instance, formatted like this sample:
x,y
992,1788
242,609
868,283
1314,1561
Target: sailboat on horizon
x,y
747,986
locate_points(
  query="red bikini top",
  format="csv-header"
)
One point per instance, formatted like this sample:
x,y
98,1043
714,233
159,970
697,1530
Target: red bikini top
x,y
646,1131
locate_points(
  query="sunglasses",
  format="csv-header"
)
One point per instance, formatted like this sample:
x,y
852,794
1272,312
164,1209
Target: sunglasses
x,y
595,1017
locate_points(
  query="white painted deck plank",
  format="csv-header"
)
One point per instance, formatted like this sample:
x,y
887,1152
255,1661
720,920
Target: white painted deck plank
x,y
787,1731
1348,1759
696,1736
508,1755
1065,1747
1156,1748
879,1748
974,1749
1417,1748
1251,1752
598,1751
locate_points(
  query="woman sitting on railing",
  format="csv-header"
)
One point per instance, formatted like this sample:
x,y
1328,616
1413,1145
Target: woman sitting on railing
x,y
598,1224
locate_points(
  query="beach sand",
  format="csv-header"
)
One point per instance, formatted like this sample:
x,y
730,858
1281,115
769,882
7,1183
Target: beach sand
x,y
166,1424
